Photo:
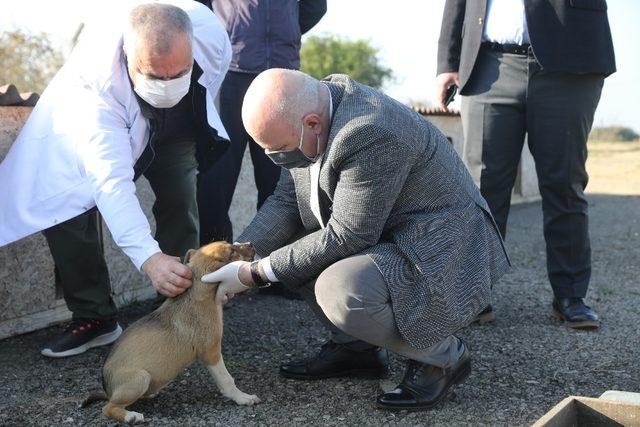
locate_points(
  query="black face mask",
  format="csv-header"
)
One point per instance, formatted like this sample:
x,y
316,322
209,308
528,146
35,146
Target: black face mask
x,y
295,158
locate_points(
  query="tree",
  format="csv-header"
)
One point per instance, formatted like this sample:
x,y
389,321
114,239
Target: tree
x,y
321,56
613,133
28,61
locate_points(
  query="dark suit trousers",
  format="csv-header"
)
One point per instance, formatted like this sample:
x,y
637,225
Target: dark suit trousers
x,y
509,97
217,185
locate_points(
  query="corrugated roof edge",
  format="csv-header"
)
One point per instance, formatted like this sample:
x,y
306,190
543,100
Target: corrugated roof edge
x,y
10,97
434,111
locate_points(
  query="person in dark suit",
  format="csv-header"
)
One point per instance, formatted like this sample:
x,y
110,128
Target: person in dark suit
x,y
263,34
381,267
532,68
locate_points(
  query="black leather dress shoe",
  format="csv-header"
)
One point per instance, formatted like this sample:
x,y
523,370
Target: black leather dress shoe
x,y
424,386
575,313
339,360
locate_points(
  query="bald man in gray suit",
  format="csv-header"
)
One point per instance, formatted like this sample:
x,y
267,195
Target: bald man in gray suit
x,y
376,221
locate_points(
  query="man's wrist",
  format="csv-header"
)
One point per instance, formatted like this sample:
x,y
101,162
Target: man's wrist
x,y
257,274
145,265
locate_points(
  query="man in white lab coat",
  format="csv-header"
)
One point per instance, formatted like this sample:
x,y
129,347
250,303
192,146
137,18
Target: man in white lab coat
x,y
136,97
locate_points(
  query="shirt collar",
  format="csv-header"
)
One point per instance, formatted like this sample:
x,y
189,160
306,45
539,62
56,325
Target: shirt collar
x,y
330,104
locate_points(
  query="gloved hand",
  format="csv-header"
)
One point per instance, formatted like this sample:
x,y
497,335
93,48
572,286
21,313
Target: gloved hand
x,y
229,279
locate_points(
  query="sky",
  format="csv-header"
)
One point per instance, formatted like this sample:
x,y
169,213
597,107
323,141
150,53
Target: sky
x,y
406,35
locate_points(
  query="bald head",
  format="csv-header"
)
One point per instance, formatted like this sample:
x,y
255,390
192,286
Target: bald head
x,y
279,102
158,41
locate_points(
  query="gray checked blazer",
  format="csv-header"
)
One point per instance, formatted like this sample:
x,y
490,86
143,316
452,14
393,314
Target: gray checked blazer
x,y
391,186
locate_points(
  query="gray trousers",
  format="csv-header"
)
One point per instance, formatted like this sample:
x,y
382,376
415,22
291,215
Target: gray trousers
x,y
351,299
507,97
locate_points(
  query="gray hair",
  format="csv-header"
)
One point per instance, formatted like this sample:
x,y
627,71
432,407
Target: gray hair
x,y
156,25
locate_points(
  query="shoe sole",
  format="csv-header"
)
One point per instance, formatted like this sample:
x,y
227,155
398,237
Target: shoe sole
x,y
98,341
481,319
458,379
354,373
586,325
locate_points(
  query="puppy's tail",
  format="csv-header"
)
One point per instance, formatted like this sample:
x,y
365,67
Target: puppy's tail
x,y
93,397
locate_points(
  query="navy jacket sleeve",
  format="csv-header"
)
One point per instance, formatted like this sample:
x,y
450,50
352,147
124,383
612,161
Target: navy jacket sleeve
x,y
208,3
450,42
310,13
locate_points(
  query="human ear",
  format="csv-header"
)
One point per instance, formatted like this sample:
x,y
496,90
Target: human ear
x,y
313,122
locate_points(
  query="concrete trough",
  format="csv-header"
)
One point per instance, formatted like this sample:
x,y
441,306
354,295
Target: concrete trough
x,y
585,411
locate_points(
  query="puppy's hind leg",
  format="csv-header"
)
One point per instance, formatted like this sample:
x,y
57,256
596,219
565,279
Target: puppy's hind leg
x,y
125,394
227,385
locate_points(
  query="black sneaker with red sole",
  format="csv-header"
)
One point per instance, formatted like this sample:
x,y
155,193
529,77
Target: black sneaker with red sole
x,y
81,335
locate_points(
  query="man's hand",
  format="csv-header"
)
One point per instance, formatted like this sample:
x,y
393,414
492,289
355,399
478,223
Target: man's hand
x,y
443,81
169,276
234,278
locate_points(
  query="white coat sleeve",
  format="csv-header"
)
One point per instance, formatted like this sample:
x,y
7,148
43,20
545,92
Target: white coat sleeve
x,y
104,150
213,52
218,59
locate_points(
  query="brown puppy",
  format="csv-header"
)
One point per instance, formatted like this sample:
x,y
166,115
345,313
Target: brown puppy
x,y
153,350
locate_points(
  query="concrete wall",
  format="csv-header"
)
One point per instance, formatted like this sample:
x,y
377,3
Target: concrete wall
x,y
451,127
243,206
29,299
26,269
526,185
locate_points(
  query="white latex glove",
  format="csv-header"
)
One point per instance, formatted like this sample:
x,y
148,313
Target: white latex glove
x,y
230,283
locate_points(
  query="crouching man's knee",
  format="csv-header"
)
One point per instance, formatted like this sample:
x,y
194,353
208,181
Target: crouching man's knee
x,y
340,292
330,297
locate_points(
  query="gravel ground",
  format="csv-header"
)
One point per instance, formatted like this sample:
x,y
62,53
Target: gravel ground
x,y
524,363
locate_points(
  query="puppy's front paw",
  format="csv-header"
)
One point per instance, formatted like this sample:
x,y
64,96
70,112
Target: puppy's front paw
x,y
246,399
133,417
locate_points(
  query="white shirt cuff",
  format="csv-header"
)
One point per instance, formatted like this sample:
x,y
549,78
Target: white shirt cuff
x,y
139,255
268,271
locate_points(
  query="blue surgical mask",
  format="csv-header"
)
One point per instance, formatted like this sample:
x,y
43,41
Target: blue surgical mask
x,y
295,158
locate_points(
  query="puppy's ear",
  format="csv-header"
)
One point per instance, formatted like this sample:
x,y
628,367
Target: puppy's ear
x,y
188,255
